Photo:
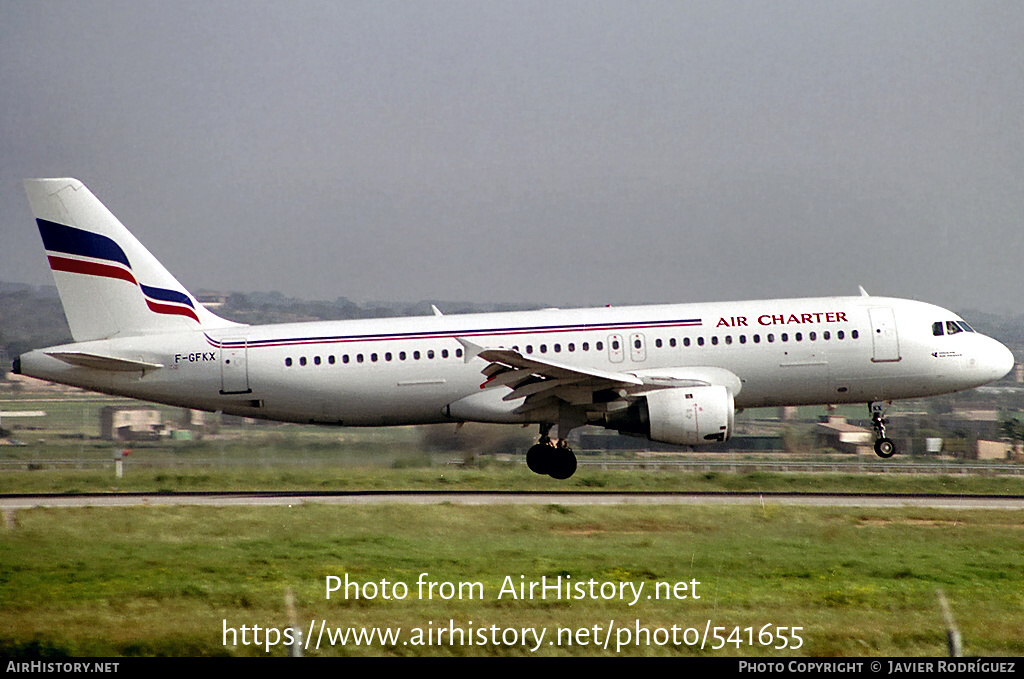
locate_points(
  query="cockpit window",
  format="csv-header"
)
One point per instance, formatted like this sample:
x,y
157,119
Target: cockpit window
x,y
964,325
937,329
952,328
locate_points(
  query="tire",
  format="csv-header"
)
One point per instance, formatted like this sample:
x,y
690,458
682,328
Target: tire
x,y
885,448
563,464
538,458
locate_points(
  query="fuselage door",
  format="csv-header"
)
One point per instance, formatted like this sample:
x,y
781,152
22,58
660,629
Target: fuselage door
x,y
615,350
234,370
884,339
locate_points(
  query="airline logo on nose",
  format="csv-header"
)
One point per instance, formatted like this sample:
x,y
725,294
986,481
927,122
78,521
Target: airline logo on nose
x,y
92,254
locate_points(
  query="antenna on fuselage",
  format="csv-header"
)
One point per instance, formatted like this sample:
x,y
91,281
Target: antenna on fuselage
x,y
863,292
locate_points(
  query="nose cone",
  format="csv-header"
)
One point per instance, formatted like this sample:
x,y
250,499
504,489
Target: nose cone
x,y
996,360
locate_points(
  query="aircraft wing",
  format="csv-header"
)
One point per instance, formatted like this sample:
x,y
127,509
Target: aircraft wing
x,y
542,380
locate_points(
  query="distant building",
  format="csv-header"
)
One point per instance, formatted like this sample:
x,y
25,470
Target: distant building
x,y
838,434
26,383
993,450
983,423
192,419
137,423
213,300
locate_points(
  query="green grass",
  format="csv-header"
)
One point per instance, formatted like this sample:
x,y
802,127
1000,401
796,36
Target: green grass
x,y
163,580
420,472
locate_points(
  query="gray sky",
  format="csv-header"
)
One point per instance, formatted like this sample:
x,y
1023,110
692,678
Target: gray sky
x,y
572,153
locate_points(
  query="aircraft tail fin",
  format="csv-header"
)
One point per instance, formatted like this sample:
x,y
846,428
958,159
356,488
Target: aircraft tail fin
x,y
109,283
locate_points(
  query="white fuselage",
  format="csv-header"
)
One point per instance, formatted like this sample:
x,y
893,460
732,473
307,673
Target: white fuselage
x,y
409,370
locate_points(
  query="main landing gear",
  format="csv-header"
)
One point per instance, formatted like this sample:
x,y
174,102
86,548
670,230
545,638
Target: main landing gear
x,y
549,458
884,447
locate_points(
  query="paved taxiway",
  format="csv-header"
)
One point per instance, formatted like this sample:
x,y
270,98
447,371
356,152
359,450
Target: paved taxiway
x,y
13,502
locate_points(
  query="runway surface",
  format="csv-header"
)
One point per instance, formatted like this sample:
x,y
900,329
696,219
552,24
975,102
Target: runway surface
x,y
13,502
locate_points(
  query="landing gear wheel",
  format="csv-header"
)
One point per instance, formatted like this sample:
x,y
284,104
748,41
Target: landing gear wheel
x,y
537,458
563,463
884,447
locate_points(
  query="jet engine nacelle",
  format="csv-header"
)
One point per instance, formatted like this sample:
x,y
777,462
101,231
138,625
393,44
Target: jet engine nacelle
x,y
690,416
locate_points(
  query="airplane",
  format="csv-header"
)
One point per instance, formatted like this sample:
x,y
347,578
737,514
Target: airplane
x,y
673,373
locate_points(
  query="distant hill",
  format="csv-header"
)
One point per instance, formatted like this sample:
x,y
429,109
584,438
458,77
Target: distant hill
x,y
1007,329
258,308
30,318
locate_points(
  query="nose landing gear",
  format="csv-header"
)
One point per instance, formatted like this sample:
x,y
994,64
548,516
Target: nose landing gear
x,y
884,447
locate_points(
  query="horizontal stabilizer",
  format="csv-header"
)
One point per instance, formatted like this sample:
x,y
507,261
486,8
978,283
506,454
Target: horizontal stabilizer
x,y
98,362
